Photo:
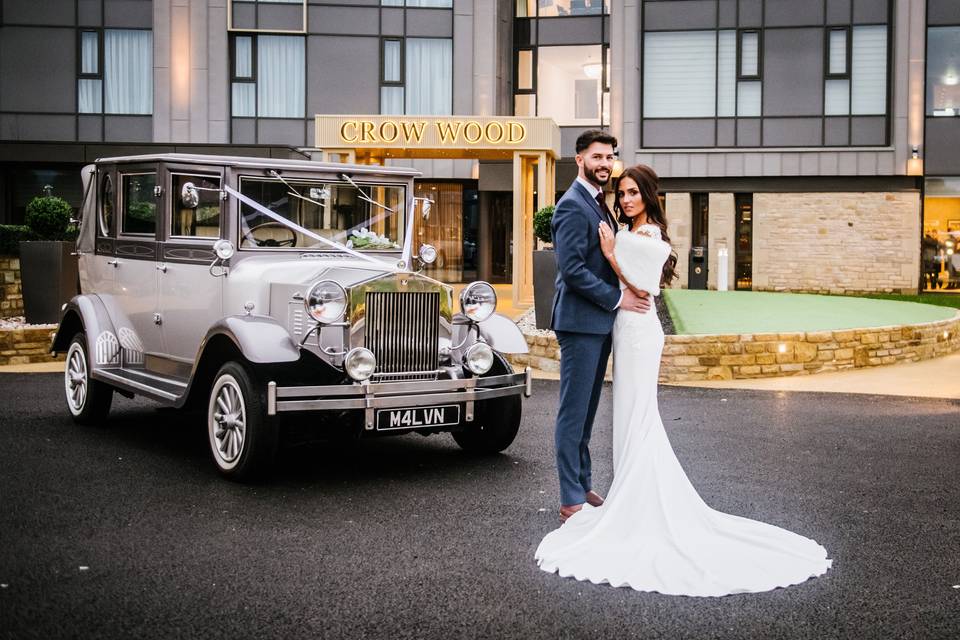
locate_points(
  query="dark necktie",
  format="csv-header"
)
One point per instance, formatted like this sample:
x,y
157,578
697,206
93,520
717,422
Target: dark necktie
x,y
606,211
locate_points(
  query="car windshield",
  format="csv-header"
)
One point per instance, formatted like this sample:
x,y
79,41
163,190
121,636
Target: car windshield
x,y
337,211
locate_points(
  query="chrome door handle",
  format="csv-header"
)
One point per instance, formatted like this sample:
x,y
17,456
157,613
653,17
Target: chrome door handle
x,y
157,319
115,263
162,268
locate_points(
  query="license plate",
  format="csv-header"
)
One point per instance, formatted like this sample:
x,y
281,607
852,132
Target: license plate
x,y
416,417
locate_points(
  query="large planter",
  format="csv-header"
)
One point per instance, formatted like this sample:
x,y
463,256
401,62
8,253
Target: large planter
x,y
49,278
544,285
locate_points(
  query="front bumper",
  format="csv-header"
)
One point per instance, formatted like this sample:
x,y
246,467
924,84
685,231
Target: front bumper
x,y
386,395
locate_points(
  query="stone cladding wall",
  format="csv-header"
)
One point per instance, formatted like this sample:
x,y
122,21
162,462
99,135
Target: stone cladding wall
x,y
26,345
767,355
836,242
11,298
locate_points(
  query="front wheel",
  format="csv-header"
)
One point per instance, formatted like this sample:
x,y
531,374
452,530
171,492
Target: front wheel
x,y
243,441
494,428
88,400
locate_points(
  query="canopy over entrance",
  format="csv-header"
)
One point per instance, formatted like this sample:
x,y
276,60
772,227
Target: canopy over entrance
x,y
532,143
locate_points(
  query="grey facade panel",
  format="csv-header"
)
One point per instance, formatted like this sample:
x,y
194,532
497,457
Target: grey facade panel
x,y
726,133
281,132
695,14
281,17
793,72
128,14
243,130
942,142
868,131
38,70
128,128
838,11
678,133
343,75
358,3
727,14
586,30
464,77
869,11
790,13
568,140
38,12
751,13
943,12
748,132
244,16
90,129
836,131
88,13
38,127
391,22
429,23
348,20
791,132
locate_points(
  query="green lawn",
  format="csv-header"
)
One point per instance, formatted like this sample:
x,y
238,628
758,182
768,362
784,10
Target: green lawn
x,y
939,299
699,312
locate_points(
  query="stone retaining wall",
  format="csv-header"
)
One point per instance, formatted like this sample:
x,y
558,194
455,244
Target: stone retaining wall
x,y
11,298
27,345
767,355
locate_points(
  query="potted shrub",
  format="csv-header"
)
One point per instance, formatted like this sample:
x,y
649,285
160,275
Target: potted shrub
x,y
544,268
47,267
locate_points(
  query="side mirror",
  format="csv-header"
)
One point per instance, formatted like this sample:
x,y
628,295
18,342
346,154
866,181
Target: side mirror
x,y
190,196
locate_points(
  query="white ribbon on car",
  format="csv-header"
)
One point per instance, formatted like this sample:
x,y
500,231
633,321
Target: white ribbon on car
x,y
310,234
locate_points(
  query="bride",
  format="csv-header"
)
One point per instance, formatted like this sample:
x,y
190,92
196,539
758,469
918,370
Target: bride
x,y
654,532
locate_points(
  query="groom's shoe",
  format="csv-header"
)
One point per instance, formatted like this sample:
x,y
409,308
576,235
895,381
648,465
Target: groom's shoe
x,y
594,499
567,510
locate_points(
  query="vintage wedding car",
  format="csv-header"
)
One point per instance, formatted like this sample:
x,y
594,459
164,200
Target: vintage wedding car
x,y
274,292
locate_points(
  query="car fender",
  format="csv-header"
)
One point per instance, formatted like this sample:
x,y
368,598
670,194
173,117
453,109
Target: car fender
x,y
499,331
260,339
87,313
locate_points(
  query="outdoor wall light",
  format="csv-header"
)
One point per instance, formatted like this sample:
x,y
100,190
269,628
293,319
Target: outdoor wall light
x,y
782,348
592,69
915,164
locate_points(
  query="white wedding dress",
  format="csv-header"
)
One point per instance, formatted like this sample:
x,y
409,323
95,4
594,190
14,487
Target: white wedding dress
x,y
654,532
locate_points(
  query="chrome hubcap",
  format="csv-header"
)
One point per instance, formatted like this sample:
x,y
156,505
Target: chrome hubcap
x,y
228,420
75,378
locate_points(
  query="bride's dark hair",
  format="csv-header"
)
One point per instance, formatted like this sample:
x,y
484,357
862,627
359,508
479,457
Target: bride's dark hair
x,y
648,183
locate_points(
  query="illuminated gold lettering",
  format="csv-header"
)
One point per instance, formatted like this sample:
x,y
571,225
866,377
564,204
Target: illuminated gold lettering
x,y
449,134
383,131
343,131
490,136
413,131
472,126
516,132
366,132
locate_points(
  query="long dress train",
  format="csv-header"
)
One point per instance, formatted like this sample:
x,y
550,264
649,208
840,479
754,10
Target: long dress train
x,y
654,532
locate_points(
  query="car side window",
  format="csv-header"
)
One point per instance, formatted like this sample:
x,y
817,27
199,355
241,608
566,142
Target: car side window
x,y
196,206
139,204
105,216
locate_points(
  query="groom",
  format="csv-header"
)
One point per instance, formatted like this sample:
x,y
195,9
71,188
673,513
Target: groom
x,y
584,308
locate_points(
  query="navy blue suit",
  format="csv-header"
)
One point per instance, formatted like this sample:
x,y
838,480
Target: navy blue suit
x,y
584,309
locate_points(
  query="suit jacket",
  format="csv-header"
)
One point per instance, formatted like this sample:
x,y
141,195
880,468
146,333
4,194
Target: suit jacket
x,y
587,287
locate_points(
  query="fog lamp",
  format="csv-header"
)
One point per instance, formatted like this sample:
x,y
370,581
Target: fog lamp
x,y
478,358
359,363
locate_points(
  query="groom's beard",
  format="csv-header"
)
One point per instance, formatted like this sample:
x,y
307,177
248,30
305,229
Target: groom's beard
x,y
592,177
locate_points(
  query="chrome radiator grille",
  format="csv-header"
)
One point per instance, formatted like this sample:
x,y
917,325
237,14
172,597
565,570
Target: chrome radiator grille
x,y
402,330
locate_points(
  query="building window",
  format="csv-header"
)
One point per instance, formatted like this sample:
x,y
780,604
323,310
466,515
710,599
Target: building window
x,y
430,4
139,204
268,76
115,73
943,71
561,8
576,72
416,76
855,62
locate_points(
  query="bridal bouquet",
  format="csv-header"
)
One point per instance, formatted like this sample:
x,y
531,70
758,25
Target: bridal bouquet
x,y
366,239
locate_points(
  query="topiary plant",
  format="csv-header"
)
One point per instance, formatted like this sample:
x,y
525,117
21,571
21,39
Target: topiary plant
x,y
49,218
541,223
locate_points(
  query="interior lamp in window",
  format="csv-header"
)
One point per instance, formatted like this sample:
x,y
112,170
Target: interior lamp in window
x,y
950,79
592,69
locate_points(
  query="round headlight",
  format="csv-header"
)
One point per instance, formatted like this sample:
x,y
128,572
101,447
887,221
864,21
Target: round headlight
x,y
359,363
326,301
428,254
478,301
478,358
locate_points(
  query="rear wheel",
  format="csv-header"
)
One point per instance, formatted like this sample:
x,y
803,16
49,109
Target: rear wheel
x,y
494,428
88,400
243,442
